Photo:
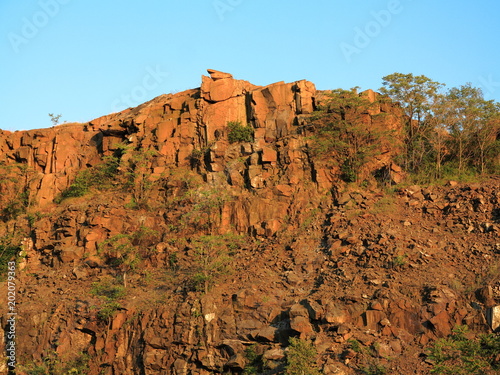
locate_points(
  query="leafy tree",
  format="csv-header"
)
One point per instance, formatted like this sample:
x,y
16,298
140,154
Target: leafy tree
x,y
124,252
416,95
212,258
441,122
465,99
341,131
121,254
138,174
207,205
475,125
485,137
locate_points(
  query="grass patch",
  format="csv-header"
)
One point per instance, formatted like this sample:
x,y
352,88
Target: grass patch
x,y
385,205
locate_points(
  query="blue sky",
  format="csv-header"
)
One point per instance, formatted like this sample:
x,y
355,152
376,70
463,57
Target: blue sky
x,y
85,59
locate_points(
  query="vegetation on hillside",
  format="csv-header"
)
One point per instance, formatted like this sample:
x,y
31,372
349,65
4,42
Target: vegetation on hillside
x,y
100,176
8,253
453,132
446,134
460,354
238,132
301,358
340,130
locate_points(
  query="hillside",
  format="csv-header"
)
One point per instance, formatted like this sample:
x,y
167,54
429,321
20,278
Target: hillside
x,y
200,231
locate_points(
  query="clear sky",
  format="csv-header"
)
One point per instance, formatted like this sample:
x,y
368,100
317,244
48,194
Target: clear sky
x,y
87,58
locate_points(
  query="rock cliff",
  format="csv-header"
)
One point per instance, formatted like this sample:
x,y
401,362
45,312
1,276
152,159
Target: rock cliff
x,y
197,250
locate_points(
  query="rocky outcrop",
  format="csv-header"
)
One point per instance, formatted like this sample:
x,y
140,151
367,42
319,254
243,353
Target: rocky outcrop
x,y
175,125
314,258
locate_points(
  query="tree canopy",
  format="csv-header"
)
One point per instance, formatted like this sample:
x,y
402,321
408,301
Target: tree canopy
x,y
456,129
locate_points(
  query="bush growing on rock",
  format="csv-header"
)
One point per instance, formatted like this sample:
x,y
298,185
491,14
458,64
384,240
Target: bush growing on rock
x,y
108,290
254,365
238,132
124,252
368,358
99,176
137,176
207,205
212,258
301,358
52,364
8,253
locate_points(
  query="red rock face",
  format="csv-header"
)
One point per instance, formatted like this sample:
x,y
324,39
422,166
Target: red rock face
x,y
175,125
276,192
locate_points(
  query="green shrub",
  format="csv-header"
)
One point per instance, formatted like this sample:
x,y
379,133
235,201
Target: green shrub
x,y
254,361
458,354
8,253
374,368
349,171
100,176
301,358
238,132
399,261
54,366
37,370
110,292
368,361
384,205
355,345
137,175
206,209
126,251
33,218
212,258
78,188
145,237
173,261
108,289
13,209
108,310
197,155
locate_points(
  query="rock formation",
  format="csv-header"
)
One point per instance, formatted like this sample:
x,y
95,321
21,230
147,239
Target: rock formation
x,y
315,258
